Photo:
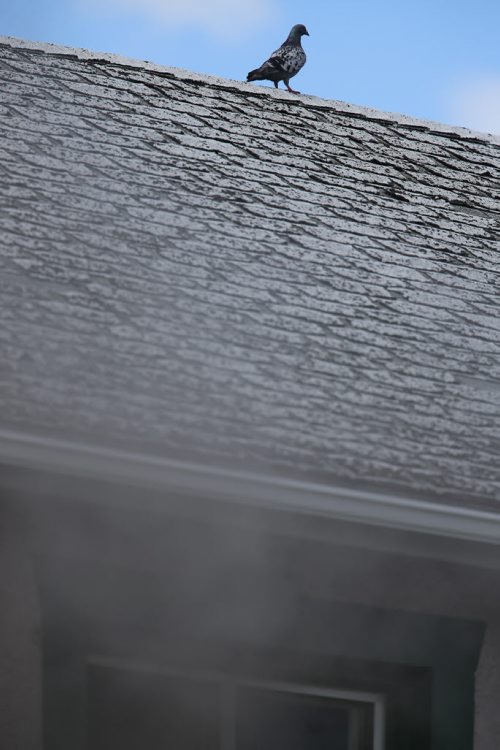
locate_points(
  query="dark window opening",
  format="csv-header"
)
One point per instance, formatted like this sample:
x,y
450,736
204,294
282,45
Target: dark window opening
x,y
132,709
271,720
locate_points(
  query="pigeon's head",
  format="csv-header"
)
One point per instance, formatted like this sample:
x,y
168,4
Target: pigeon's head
x,y
298,31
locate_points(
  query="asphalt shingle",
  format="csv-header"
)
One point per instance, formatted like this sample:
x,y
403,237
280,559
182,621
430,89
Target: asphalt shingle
x,y
219,271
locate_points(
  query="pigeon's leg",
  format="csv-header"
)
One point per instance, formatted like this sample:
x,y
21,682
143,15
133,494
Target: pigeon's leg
x,y
276,84
292,91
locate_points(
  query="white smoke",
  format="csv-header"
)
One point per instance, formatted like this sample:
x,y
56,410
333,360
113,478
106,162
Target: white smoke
x,y
475,103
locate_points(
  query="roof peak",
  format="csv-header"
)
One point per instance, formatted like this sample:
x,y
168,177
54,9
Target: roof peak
x,y
211,80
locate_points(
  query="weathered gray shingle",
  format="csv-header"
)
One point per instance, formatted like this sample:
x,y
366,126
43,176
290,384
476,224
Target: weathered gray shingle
x,y
220,271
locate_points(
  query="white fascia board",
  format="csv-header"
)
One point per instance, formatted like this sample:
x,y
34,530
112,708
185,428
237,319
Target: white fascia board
x,y
257,490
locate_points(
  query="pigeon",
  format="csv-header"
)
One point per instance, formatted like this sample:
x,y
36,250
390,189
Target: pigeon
x,y
285,62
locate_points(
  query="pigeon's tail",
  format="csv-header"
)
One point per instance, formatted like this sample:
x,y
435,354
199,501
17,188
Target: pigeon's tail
x,y
255,75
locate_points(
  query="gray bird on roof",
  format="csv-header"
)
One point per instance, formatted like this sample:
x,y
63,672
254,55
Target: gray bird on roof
x,y
285,62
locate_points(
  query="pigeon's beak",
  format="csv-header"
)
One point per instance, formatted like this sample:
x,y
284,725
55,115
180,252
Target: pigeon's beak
x,y
306,32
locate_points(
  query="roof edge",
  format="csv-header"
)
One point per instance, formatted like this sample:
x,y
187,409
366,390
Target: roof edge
x,y
311,101
27,451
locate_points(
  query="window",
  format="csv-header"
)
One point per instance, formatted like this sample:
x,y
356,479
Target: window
x,y
271,717
134,709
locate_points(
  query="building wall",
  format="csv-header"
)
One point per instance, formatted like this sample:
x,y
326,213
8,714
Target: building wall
x,y
327,570
20,653
487,725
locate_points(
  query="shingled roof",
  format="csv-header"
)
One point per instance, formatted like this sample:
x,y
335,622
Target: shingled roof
x,y
205,269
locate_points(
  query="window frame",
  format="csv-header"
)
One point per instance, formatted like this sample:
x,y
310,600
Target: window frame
x,y
230,684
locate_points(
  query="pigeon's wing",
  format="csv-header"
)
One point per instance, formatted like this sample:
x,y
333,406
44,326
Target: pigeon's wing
x,y
275,65
284,63
292,59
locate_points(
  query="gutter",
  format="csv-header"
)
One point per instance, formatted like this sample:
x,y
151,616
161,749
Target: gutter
x,y
388,511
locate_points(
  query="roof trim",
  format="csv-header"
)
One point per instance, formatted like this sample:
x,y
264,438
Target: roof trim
x,y
272,492
307,101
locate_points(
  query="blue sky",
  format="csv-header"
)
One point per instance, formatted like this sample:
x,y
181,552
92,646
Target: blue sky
x,y
435,59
